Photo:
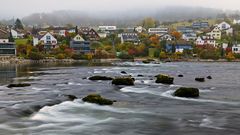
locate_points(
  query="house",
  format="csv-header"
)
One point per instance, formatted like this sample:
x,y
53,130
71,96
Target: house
x,y
89,34
48,40
200,25
187,33
184,30
203,41
166,37
158,31
16,34
236,48
139,29
178,46
229,31
235,21
6,47
79,45
224,26
129,37
214,32
107,28
189,36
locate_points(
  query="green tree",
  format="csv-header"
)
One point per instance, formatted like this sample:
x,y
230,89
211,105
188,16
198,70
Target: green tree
x,y
149,23
18,24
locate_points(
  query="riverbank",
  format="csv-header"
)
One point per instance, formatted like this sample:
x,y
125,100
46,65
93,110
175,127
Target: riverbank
x,y
16,60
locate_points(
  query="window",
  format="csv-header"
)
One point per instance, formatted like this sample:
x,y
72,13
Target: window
x,y
48,37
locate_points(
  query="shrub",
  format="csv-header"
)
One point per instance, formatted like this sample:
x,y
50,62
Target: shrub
x,y
60,56
35,56
209,54
125,56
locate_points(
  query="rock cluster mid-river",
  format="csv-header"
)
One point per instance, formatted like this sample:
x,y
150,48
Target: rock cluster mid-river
x,y
146,108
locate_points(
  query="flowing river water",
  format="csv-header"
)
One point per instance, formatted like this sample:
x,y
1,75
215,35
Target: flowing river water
x,y
146,108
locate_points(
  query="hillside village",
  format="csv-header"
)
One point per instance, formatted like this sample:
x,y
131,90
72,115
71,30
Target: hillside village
x,y
149,40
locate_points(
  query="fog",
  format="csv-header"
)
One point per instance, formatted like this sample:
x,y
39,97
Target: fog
x,y
21,8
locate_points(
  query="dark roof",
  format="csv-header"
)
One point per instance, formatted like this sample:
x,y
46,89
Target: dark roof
x,y
4,34
130,37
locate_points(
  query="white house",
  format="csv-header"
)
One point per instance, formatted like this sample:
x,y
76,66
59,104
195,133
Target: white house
x,y
215,33
107,28
158,31
224,26
236,21
236,48
16,34
139,29
229,31
48,40
78,38
205,40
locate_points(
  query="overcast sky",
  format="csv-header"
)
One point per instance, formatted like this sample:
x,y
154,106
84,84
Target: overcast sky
x,y
20,8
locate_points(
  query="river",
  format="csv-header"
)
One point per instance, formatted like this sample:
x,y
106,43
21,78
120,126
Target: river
x,y
144,109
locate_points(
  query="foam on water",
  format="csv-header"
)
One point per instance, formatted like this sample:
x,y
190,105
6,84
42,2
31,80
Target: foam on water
x,y
208,123
69,112
146,90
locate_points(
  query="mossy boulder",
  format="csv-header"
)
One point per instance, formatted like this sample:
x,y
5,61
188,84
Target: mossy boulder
x,y
200,79
19,85
104,78
97,99
187,92
123,81
209,77
146,61
165,79
71,97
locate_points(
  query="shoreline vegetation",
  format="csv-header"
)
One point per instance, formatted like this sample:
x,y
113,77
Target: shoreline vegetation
x,y
16,60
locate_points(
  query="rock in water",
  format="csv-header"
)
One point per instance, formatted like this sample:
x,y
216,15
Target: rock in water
x,y
18,85
146,61
180,75
71,97
123,81
95,78
187,92
209,77
200,79
97,99
123,72
165,79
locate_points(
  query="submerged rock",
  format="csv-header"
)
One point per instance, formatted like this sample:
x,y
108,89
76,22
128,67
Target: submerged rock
x,y
123,81
165,79
123,72
200,79
187,92
140,75
97,99
95,78
71,97
19,85
209,77
180,75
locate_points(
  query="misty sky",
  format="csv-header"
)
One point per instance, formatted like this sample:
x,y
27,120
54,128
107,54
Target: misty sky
x,y
20,8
